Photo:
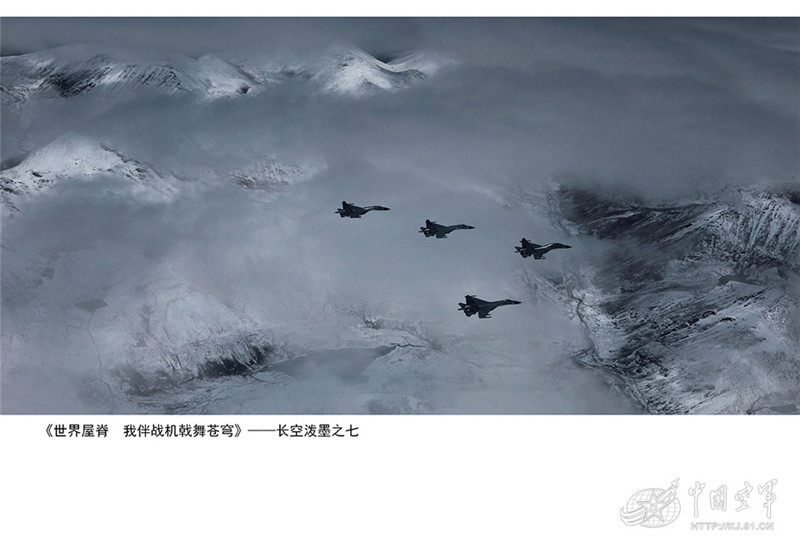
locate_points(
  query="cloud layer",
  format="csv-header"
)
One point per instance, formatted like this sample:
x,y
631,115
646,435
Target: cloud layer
x,y
666,109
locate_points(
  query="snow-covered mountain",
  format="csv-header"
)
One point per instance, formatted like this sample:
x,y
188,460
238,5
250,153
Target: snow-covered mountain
x,y
82,70
353,71
76,158
76,70
694,305
269,173
169,245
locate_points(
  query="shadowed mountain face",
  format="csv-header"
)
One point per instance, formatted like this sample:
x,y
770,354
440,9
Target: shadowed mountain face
x,y
73,71
169,245
694,304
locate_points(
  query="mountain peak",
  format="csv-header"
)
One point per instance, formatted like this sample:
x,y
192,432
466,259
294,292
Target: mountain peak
x,y
351,70
77,70
75,156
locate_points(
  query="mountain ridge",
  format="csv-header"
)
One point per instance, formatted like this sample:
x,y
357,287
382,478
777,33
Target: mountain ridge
x,y
682,279
76,70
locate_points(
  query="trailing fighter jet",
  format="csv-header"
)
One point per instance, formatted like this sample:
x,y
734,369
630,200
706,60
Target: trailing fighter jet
x,y
433,229
537,251
481,307
354,211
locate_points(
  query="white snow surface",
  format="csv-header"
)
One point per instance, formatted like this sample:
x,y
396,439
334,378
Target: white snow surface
x,y
77,70
177,251
699,312
205,302
76,158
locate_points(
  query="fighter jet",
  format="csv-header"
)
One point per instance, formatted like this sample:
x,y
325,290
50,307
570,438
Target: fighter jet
x,y
354,211
433,229
481,307
537,251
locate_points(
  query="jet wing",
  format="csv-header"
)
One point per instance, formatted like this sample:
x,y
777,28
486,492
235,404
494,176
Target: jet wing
x,y
484,313
527,244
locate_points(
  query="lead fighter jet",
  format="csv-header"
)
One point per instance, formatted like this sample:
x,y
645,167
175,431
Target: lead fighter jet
x,y
537,251
481,307
354,211
433,229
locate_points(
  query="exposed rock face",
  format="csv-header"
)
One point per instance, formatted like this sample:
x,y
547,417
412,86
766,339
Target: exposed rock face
x,y
696,303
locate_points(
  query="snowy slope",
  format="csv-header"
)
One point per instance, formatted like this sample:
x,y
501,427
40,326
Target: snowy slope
x,y
695,306
214,301
188,258
78,70
76,158
353,71
75,70
348,70
268,173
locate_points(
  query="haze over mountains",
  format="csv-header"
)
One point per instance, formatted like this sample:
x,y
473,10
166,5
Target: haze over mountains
x,y
169,241
74,70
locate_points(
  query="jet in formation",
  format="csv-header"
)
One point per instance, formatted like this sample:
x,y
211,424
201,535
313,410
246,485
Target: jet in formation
x,y
482,308
354,211
537,251
432,229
